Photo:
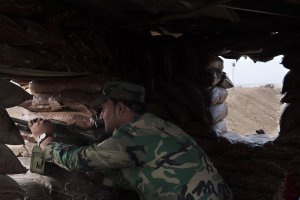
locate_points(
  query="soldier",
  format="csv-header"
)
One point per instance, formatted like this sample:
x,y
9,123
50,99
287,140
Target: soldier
x,y
145,153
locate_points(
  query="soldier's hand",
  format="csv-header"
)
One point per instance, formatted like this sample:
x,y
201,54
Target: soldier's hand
x,y
39,126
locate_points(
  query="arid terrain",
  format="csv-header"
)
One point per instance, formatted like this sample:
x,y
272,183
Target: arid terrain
x,y
254,108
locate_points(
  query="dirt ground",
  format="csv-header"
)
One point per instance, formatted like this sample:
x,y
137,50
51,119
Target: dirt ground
x,y
254,108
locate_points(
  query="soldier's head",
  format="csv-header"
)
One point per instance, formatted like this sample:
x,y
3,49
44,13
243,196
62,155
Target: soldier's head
x,y
120,103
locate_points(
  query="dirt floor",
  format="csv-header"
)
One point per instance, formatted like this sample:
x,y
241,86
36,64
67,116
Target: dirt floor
x,y
254,108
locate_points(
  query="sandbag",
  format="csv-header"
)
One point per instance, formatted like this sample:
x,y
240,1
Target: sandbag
x,y
197,61
34,190
11,33
214,62
291,60
9,133
209,78
56,102
218,112
12,95
30,59
92,84
225,82
218,95
78,119
9,163
291,96
10,189
289,138
28,8
220,127
43,103
291,81
62,184
290,117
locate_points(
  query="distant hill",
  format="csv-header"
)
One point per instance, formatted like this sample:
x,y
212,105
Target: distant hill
x,y
254,108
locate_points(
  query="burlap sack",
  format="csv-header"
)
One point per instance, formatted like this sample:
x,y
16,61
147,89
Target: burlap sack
x,y
81,120
218,112
218,95
9,163
92,84
291,81
291,96
11,33
43,103
62,184
9,133
220,127
58,102
10,189
12,95
289,118
34,190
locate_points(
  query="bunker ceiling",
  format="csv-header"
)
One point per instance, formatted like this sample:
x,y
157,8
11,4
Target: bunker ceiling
x,y
260,29
32,31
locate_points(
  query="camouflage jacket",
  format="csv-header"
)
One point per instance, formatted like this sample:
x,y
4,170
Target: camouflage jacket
x,y
153,157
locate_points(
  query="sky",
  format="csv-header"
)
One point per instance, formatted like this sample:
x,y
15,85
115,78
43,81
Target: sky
x,y
247,73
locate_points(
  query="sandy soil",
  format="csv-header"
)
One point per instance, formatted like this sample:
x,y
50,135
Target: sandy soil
x,y
255,108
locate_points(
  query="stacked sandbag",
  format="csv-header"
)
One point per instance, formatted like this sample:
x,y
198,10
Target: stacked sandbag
x,y
217,85
10,95
254,166
65,99
290,115
10,189
48,43
9,164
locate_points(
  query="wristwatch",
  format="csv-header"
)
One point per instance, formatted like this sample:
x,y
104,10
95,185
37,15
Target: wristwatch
x,y
42,138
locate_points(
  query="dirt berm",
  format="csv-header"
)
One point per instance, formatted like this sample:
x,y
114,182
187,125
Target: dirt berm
x,y
254,108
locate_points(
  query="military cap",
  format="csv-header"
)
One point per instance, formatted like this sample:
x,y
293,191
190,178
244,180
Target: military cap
x,y
121,91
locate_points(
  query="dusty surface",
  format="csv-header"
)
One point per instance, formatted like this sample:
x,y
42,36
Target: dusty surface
x,y
254,108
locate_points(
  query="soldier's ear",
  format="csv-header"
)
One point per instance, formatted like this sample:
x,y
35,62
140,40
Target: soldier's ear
x,y
121,109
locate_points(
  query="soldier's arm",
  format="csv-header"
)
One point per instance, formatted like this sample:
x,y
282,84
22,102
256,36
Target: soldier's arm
x,y
110,154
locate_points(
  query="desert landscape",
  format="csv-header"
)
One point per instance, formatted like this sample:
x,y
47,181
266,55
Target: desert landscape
x,y
254,108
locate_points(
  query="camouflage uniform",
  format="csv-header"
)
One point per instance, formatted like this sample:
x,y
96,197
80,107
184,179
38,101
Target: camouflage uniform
x,y
151,156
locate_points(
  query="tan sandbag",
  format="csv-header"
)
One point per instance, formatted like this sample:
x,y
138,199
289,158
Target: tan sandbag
x,y
92,84
9,133
34,190
9,163
10,189
289,138
218,95
214,62
20,58
291,81
291,96
12,95
43,103
11,33
28,8
289,118
225,82
78,96
218,112
56,102
62,184
220,127
81,120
